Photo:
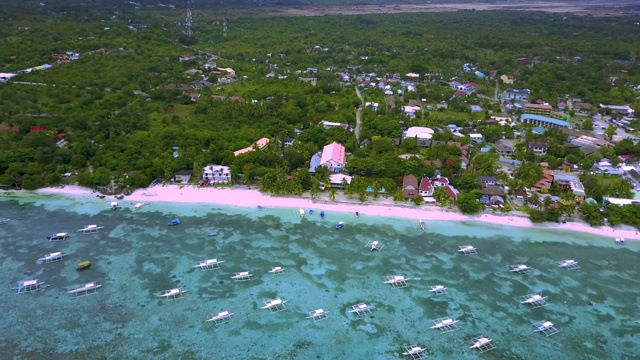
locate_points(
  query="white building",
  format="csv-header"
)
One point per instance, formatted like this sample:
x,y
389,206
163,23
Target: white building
x,y
419,133
216,174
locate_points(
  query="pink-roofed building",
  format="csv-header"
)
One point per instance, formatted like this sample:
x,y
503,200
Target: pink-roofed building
x,y
333,156
426,189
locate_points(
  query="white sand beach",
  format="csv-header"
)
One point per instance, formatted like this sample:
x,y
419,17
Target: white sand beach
x,y
246,197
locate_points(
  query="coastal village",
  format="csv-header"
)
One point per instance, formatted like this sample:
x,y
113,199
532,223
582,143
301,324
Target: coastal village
x,y
488,147
482,144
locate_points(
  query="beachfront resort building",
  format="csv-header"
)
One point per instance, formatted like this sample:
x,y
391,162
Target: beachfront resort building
x,y
409,187
216,174
572,183
333,157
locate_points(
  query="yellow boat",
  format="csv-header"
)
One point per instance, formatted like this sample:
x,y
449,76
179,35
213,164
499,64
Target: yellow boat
x,y
83,265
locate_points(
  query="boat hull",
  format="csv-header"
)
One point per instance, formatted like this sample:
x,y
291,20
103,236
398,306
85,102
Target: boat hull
x,y
83,265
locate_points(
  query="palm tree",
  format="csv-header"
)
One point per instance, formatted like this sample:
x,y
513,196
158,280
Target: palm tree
x,y
332,194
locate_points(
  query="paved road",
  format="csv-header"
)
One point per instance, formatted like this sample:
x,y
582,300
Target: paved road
x,y
358,115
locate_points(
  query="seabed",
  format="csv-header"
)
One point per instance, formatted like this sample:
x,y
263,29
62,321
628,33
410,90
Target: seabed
x,y
136,255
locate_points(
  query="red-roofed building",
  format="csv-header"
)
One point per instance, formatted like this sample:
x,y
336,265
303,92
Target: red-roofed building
x,y
441,181
14,128
36,128
459,93
333,156
470,86
194,97
453,193
426,189
58,56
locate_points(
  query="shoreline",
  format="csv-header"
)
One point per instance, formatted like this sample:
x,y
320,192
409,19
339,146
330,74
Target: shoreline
x,y
247,197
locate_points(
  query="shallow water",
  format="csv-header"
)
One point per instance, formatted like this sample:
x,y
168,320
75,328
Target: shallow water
x,y
137,256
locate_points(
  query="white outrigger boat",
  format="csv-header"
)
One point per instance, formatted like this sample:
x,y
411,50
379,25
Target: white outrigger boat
x,y
86,289
221,317
112,205
467,250
445,324
568,264
4,220
90,229
360,309
438,289
301,212
545,327
415,351
277,270
398,281
482,343
374,245
535,300
172,294
209,264
242,276
318,315
54,256
58,236
275,305
520,269
29,286
138,205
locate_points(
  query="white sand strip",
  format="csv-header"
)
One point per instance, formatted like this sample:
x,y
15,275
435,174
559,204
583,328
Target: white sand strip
x,y
382,207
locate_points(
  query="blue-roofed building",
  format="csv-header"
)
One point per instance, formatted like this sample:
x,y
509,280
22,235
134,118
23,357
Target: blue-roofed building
x,y
315,162
480,74
538,130
544,121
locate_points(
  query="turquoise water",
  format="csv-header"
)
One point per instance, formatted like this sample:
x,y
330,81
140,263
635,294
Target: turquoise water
x,y
137,256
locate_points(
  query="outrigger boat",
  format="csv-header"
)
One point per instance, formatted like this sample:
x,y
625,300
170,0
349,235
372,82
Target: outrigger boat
x,y
242,276
4,220
482,343
415,351
277,270
360,309
86,289
172,293
83,265
520,269
445,324
275,305
374,245
301,212
318,315
545,327
467,250
90,229
568,264
340,225
55,256
138,205
209,264
29,286
535,300
322,214
438,289
112,205
213,233
174,222
221,317
620,241
58,236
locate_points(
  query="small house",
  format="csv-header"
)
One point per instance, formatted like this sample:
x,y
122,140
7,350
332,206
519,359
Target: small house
x,y
409,187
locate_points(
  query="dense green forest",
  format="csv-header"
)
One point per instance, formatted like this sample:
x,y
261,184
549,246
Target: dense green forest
x,y
118,118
